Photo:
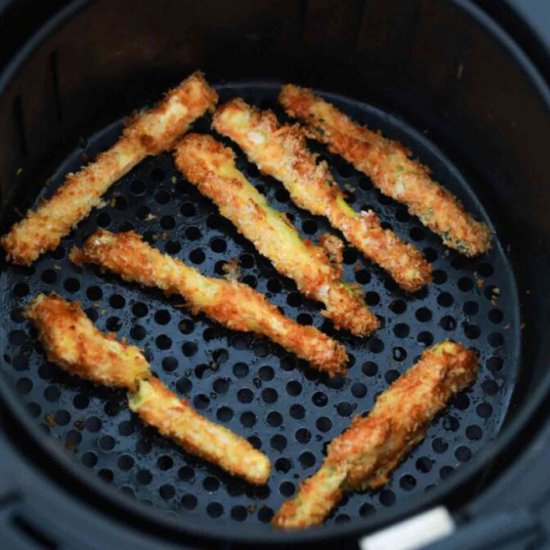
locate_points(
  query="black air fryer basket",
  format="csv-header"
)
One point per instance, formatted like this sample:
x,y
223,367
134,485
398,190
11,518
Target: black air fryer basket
x,y
77,468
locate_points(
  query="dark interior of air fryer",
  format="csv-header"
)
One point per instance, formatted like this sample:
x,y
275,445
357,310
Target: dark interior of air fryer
x,y
424,73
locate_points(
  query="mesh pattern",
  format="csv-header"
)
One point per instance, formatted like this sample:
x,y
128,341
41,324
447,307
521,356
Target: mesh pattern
x,y
249,384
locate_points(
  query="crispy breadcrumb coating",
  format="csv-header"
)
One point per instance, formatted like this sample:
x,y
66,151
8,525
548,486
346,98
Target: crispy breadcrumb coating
x,y
147,133
389,166
366,453
73,342
174,418
232,304
280,151
209,165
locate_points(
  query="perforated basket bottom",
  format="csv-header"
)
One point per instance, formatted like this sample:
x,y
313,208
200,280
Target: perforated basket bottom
x,y
249,384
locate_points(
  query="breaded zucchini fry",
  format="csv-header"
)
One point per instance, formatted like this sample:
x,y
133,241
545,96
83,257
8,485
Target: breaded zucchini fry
x,y
366,453
148,133
174,418
280,151
230,303
389,166
211,167
73,342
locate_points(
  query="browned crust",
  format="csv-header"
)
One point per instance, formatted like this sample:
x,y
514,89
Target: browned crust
x,y
157,406
211,167
230,303
317,496
283,154
72,341
390,168
147,133
366,453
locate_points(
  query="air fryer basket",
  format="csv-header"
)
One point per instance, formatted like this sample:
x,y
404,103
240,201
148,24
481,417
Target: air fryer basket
x,y
435,76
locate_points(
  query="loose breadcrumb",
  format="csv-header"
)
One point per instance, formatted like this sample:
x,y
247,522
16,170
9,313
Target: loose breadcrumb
x,y
232,270
232,304
280,151
389,166
147,133
210,166
157,406
334,247
73,342
366,453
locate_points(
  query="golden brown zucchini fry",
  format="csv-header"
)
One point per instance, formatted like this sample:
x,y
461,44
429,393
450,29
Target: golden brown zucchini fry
x,y
366,453
211,167
148,133
72,341
230,303
389,166
280,151
174,418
